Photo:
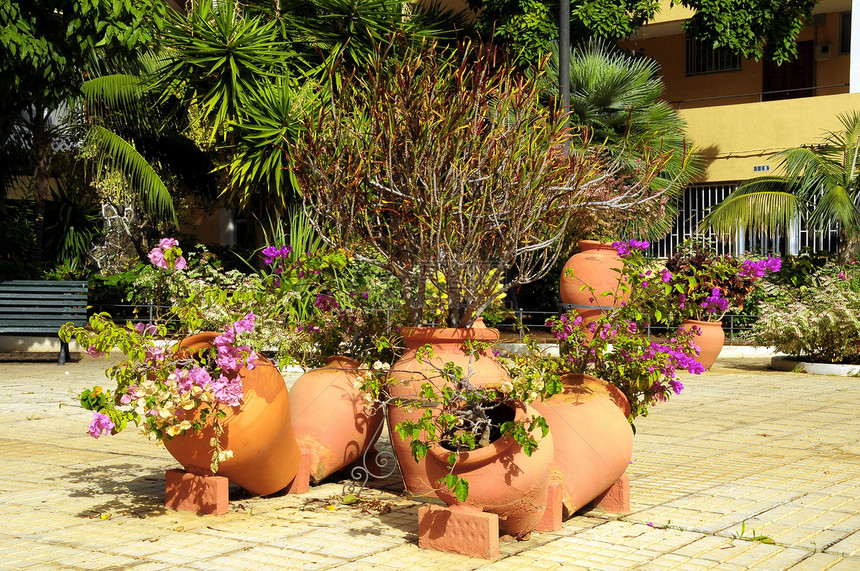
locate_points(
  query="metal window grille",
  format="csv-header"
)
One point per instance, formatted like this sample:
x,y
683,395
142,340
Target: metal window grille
x,y
704,58
696,203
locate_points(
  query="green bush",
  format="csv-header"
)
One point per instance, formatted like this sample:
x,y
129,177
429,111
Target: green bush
x,y
819,321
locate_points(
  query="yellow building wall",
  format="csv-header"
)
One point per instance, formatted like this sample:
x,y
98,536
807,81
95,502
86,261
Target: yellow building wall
x,y
735,138
733,87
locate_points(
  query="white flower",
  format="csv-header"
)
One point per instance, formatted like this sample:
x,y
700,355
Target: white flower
x,y
507,387
225,455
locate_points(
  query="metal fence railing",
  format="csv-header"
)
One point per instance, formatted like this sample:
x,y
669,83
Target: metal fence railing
x,y
522,322
534,322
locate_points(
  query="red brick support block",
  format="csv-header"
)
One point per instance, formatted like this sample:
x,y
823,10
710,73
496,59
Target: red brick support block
x,y
617,498
301,484
552,515
199,494
458,529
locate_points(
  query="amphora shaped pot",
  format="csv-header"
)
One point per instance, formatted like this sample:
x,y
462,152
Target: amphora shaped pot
x,y
259,431
329,416
593,439
409,373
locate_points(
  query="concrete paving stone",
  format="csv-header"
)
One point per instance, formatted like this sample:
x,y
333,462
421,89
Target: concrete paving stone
x,y
849,546
692,565
817,562
846,564
807,538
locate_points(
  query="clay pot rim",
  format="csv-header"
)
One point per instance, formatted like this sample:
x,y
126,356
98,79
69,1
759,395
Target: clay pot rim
x,y
585,245
484,454
700,322
616,392
342,362
446,334
206,339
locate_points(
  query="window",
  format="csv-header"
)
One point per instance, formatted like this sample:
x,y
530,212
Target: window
x,y
845,32
703,58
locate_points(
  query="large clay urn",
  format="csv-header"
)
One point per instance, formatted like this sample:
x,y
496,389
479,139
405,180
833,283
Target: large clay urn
x,y
329,418
596,267
710,341
592,437
259,432
502,479
408,374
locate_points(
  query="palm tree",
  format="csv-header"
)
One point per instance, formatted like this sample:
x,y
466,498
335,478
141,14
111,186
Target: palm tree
x,y
617,97
818,182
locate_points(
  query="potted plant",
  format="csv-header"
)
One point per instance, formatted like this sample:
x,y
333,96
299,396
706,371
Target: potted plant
x,y
591,281
701,286
607,374
483,447
213,401
445,169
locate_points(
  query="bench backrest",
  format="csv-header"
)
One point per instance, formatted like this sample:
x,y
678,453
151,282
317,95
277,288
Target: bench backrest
x,y
38,306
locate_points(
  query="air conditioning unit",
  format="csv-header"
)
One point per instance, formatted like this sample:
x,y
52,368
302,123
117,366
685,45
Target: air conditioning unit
x,y
823,51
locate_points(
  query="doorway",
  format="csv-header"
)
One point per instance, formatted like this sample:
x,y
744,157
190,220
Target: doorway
x,y
791,79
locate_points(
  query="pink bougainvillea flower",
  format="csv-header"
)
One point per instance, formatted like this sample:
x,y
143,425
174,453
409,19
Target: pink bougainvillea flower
x,y
145,328
100,425
156,257
167,243
93,352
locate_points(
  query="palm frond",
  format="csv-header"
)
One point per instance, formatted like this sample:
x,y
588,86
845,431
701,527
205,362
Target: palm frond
x,y
142,177
765,206
836,205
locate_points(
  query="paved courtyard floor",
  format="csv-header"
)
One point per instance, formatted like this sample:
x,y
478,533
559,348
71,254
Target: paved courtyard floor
x,y
747,469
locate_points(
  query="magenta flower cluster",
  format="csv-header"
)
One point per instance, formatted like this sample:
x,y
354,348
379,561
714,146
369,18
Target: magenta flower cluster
x,y
626,248
167,255
715,302
272,254
100,425
758,268
614,349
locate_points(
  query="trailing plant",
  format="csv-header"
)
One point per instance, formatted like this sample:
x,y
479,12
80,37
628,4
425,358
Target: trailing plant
x,y
165,391
457,415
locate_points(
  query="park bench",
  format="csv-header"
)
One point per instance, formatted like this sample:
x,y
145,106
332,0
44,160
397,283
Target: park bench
x,y
35,306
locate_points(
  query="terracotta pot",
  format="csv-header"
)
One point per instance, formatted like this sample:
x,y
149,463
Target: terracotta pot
x,y
502,479
328,416
596,266
710,342
407,375
593,439
259,431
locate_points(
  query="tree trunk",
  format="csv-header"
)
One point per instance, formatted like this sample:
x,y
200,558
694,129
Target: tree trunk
x,y
849,246
42,153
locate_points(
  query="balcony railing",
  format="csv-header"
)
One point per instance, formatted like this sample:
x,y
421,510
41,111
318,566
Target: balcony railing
x,y
760,94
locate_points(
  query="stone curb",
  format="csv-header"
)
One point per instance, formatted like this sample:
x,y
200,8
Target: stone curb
x,y
785,363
